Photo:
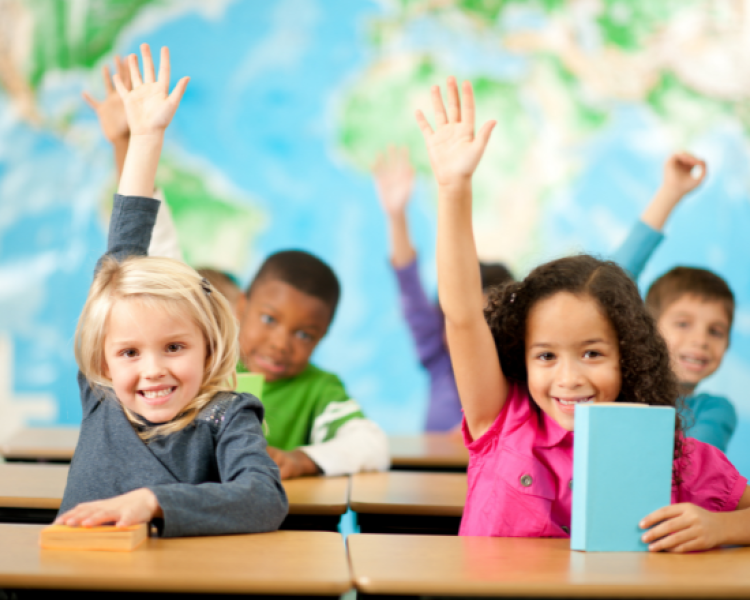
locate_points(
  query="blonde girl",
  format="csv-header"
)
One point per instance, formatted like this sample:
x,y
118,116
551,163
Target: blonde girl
x,y
164,439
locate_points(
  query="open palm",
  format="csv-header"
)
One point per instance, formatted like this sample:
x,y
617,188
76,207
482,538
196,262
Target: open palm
x,y
149,106
453,147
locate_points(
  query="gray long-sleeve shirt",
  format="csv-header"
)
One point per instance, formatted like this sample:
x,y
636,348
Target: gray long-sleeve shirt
x,y
212,477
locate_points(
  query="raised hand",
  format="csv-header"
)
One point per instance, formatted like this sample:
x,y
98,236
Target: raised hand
x,y
148,105
110,111
681,175
453,147
394,180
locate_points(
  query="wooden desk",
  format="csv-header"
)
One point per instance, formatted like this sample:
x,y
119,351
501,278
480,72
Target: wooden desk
x,y
408,502
282,562
316,503
48,444
31,493
521,567
428,452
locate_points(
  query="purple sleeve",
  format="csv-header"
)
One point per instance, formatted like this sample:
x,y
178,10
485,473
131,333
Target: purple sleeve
x,y
707,477
425,320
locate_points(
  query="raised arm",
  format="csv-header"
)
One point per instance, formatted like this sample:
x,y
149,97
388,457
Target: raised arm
x,y
149,108
455,152
394,182
111,113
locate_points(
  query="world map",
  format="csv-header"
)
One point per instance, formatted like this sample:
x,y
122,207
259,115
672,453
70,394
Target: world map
x,y
290,103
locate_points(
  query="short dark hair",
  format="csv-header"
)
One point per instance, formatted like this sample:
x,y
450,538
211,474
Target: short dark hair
x,y
647,377
304,272
226,283
494,274
683,281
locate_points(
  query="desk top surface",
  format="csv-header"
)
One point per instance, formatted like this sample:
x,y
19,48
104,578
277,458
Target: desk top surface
x,y
475,566
25,485
428,450
409,493
41,443
282,562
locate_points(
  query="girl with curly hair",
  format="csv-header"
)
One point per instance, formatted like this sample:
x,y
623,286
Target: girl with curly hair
x,y
575,331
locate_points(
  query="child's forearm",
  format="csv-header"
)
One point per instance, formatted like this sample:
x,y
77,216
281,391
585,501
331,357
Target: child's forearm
x,y
139,172
402,251
661,206
120,147
735,527
459,283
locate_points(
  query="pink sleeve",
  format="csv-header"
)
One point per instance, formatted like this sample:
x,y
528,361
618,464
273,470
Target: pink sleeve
x,y
515,412
708,479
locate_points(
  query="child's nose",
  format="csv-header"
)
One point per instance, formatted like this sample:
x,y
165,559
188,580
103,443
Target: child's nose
x,y
154,367
280,338
569,375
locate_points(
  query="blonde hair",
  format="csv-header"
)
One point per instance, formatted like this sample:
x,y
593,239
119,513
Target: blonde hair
x,y
180,289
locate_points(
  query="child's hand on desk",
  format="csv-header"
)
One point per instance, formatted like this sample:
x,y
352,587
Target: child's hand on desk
x,y
682,528
394,180
111,111
149,105
453,147
293,464
138,506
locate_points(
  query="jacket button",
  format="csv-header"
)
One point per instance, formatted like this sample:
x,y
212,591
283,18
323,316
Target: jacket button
x,y
526,480
566,529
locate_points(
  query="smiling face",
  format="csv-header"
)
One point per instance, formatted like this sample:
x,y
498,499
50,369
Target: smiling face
x,y
154,358
280,328
697,335
572,355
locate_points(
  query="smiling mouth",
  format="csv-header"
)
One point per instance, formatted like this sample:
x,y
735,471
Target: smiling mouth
x,y
694,362
270,365
575,401
156,396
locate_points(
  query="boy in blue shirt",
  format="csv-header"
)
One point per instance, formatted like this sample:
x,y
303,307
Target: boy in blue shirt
x,y
693,308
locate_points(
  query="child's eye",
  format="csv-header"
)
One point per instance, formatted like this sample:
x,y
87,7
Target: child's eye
x,y
304,336
129,353
174,347
717,333
267,319
592,354
682,324
545,356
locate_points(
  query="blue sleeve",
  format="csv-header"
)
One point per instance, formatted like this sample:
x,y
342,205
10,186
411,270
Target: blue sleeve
x,y
250,497
131,225
711,419
637,248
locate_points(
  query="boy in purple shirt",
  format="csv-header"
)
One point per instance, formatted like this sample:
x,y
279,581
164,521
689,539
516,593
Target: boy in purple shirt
x,y
394,180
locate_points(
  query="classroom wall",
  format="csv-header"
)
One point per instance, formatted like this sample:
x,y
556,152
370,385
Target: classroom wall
x,y
288,105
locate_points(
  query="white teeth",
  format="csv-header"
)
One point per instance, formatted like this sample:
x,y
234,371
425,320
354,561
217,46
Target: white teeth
x,y
157,393
695,361
574,402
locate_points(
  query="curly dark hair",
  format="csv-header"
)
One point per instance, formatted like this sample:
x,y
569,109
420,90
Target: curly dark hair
x,y
647,377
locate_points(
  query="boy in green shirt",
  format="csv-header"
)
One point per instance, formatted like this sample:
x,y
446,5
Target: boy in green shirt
x,y
312,424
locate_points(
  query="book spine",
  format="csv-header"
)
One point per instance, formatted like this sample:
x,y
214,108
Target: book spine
x,y
581,445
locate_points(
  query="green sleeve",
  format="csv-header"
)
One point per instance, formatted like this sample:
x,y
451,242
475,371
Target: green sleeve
x,y
333,408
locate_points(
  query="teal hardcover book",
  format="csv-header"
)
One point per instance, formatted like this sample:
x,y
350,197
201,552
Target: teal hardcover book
x,y
622,471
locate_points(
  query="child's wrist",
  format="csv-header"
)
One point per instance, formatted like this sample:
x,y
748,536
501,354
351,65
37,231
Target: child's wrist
x,y
668,195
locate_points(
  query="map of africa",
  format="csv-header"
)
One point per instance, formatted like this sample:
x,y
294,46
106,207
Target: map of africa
x,y
289,104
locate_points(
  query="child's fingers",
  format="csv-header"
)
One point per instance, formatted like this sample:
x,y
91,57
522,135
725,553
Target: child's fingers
x,y
122,72
454,102
120,86
437,106
673,541
423,124
483,137
469,115
90,101
662,514
164,69
149,76
107,80
135,74
176,96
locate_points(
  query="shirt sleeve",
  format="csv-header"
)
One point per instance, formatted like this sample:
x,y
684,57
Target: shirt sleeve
x,y
707,478
250,497
130,228
712,420
164,240
424,319
359,445
637,248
